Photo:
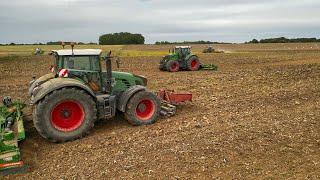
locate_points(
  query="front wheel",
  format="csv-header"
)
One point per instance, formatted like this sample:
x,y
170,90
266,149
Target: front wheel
x,y
143,108
173,66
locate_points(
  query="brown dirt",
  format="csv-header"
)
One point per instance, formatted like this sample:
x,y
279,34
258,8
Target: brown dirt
x,y
257,117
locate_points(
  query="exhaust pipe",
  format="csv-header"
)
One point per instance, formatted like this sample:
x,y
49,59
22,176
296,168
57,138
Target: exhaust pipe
x,y
109,73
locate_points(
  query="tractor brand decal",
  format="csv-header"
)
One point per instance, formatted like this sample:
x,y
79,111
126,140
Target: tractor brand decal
x,y
63,73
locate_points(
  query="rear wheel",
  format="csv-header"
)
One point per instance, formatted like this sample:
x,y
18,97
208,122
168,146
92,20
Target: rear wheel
x,y
143,108
65,115
193,64
173,66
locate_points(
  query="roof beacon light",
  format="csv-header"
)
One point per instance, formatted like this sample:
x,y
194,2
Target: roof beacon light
x,y
62,44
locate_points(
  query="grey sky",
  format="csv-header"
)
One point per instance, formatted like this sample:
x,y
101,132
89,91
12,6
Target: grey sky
x,y
29,21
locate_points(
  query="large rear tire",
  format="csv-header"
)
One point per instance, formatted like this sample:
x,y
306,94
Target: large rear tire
x,y
173,66
143,108
193,64
65,115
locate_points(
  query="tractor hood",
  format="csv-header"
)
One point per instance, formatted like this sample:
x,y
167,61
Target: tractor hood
x,y
140,80
123,81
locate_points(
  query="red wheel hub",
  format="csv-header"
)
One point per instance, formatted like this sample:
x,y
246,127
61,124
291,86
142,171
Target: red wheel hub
x,y
67,115
145,109
194,64
174,66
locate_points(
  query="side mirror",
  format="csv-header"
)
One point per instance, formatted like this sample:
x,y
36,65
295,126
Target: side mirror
x,y
72,46
62,44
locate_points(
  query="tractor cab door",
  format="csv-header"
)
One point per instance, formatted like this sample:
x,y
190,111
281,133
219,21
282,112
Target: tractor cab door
x,y
180,53
86,68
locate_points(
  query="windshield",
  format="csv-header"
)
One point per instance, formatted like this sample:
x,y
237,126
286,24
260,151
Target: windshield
x,y
87,63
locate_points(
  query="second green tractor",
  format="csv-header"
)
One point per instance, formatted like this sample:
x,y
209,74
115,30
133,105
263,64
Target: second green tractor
x,y
181,58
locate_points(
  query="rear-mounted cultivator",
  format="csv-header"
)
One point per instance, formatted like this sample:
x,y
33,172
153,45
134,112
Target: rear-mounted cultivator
x,y
210,67
170,99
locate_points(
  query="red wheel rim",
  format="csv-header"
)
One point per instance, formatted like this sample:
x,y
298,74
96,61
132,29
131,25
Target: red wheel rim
x,y
174,66
145,109
194,64
67,116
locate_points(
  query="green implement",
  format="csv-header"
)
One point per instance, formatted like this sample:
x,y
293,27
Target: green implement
x,y
211,67
11,132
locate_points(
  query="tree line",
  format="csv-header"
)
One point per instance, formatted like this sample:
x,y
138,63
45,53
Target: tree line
x,y
189,42
48,43
121,38
284,40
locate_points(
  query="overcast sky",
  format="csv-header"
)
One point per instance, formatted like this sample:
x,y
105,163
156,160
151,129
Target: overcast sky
x,y
28,21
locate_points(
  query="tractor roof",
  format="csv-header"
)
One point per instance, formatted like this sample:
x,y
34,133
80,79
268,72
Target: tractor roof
x,y
183,47
78,52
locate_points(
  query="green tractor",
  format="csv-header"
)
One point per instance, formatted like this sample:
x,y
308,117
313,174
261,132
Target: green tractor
x,y
181,58
68,101
209,49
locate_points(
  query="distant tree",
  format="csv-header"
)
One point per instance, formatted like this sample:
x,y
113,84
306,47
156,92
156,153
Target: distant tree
x,y
187,42
121,38
286,40
254,41
12,44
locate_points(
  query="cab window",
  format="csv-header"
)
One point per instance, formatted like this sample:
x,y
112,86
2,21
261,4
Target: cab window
x,y
87,63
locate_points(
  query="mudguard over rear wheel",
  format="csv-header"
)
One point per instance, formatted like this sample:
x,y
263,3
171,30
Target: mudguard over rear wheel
x,y
143,108
65,115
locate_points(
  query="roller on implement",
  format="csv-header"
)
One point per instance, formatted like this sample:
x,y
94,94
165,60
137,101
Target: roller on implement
x,y
181,58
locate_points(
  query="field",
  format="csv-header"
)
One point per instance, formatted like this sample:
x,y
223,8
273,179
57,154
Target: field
x,y
256,117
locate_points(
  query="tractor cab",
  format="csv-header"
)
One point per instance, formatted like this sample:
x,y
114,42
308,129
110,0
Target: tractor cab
x,y
86,65
182,51
81,64
85,60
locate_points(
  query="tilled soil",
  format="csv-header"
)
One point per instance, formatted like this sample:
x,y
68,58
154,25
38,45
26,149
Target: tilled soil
x,y
258,116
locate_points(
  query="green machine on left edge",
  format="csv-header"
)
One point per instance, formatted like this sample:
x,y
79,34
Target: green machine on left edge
x,y
11,132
